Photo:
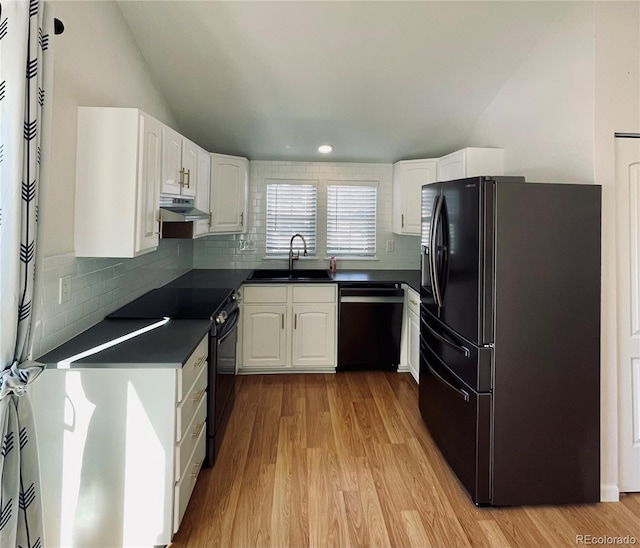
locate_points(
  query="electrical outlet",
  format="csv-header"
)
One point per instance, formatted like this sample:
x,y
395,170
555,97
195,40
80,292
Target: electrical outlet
x,y
65,290
391,246
246,245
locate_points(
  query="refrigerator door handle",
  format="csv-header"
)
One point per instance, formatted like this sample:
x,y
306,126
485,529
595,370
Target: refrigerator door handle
x,y
432,245
463,393
458,348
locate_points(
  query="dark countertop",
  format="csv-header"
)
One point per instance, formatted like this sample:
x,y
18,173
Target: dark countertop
x,y
170,345
234,278
167,346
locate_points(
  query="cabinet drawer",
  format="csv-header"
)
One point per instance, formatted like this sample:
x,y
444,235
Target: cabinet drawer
x,y
185,486
413,302
265,294
196,363
189,405
314,294
190,437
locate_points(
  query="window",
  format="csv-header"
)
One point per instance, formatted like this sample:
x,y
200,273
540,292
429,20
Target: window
x,y
351,219
291,209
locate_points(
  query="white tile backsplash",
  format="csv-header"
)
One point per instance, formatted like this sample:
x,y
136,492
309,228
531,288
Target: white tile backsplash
x,y
223,251
100,286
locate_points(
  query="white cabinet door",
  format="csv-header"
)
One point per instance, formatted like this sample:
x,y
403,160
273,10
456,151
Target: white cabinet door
x,y
264,335
229,185
179,164
314,335
203,183
189,168
408,178
413,343
471,162
148,211
452,166
171,161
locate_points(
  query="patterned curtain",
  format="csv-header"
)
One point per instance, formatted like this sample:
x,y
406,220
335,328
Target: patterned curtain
x,y
25,70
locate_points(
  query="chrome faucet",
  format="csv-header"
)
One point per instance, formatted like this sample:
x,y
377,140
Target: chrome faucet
x,y
295,257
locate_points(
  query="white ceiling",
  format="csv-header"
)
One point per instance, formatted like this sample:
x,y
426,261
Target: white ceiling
x,y
381,81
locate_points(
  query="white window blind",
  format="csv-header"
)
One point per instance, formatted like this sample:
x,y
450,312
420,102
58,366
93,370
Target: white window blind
x,y
351,219
291,209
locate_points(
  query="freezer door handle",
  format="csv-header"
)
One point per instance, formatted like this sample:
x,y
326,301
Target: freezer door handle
x,y
458,348
463,393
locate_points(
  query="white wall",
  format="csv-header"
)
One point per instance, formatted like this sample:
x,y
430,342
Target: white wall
x,y
556,118
543,116
223,252
617,109
96,63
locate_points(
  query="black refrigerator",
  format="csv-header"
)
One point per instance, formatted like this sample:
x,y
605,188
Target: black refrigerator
x,y
510,337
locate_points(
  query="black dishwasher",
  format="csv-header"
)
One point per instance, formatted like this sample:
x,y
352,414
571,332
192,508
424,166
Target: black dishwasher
x,y
370,326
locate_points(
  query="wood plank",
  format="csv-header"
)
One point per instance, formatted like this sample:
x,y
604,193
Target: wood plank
x,y
314,460
415,529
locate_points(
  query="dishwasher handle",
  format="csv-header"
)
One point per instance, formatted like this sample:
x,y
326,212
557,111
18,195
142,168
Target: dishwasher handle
x,y
371,292
372,299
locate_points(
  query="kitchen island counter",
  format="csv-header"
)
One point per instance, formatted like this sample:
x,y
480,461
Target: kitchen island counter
x,y
105,345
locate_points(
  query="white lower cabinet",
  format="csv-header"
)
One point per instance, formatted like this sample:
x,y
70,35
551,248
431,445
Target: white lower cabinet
x,y
264,337
314,335
410,353
120,451
288,327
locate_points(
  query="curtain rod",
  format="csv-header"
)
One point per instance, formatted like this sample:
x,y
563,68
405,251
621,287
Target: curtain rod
x,y
58,26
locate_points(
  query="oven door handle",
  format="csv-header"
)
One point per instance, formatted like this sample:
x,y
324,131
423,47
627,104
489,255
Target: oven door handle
x,y
229,325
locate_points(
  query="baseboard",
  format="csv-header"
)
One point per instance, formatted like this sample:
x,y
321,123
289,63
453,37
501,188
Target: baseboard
x,y
609,492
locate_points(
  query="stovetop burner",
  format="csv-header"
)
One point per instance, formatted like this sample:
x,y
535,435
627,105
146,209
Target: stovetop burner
x,y
177,303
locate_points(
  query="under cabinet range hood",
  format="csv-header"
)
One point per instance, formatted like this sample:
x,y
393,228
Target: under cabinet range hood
x,y
177,209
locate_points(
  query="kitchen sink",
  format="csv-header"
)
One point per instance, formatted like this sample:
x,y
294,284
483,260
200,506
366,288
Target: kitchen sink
x,y
285,274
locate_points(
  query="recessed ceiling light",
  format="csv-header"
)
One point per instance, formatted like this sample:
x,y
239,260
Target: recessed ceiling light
x,y
325,149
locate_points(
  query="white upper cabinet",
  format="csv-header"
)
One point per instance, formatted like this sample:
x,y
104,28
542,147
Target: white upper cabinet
x,y
203,183
179,161
408,177
471,162
117,182
229,188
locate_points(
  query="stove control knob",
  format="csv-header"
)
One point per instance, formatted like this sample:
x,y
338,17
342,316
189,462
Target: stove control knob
x,y
235,296
221,318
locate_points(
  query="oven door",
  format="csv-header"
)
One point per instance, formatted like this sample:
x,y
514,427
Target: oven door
x,y
221,381
227,340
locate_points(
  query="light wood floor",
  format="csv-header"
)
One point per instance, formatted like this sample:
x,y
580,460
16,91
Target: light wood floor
x,y
345,460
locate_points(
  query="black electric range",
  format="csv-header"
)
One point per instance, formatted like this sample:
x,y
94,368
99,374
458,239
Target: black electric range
x,y
219,305
177,303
